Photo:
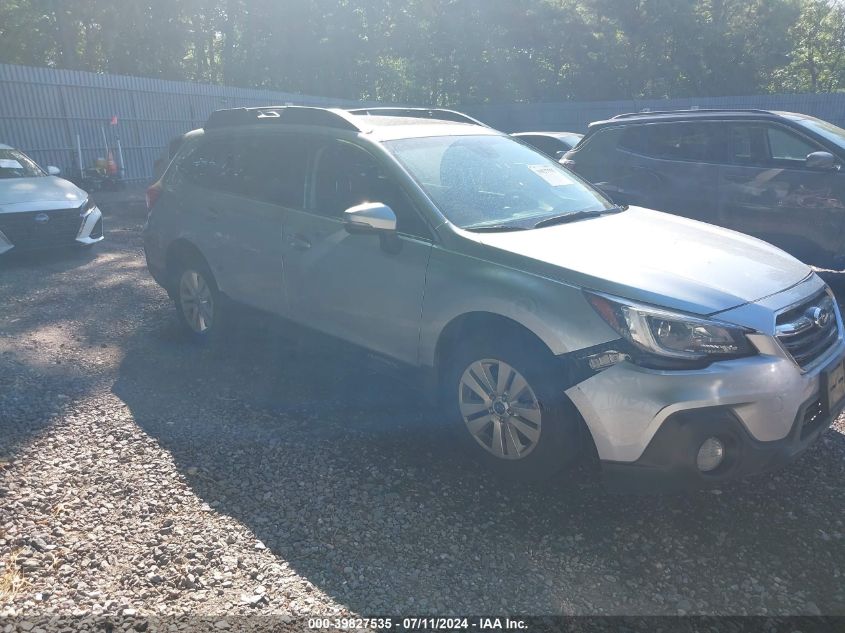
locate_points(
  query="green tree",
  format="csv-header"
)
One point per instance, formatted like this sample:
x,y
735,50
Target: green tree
x,y
817,60
445,52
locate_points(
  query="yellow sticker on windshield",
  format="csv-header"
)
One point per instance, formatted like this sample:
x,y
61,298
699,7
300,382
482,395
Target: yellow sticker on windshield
x,y
555,177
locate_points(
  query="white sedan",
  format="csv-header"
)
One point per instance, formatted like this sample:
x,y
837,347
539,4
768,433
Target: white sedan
x,y
40,210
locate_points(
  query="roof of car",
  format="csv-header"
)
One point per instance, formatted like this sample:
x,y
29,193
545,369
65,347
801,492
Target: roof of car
x,y
382,123
6,146
682,115
440,114
418,128
552,134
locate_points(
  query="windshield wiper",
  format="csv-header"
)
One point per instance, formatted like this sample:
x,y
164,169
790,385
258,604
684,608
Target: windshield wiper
x,y
494,228
573,216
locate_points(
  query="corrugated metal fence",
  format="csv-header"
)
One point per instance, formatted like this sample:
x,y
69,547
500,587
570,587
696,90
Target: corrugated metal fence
x,y
575,116
43,110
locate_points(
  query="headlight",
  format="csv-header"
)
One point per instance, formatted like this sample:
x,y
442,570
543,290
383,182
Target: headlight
x,y
672,335
86,208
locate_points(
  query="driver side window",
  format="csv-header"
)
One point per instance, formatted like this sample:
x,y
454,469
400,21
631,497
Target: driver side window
x,y
784,145
768,146
347,176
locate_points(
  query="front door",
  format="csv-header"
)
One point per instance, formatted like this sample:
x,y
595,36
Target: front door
x,y
767,191
366,289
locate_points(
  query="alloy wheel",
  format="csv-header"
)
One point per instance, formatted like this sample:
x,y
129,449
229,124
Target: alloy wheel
x,y
196,301
500,409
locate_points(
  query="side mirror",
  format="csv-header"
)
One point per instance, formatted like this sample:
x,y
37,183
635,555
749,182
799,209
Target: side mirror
x,y
53,171
371,217
821,160
560,154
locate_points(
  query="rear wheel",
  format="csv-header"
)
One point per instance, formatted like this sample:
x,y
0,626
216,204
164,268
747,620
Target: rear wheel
x,y
197,300
510,410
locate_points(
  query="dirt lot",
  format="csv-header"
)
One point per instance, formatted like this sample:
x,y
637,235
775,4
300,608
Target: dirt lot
x,y
142,475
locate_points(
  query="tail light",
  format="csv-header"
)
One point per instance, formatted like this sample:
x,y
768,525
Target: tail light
x,y
153,194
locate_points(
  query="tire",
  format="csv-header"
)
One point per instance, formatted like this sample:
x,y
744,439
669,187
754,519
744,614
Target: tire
x,y
197,299
541,432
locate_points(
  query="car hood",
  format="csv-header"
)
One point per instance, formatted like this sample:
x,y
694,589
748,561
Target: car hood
x,y
655,258
46,189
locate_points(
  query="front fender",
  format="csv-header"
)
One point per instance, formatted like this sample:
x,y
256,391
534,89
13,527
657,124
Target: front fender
x,y
558,314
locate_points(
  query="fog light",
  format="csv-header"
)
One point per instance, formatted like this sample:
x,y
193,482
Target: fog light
x,y
710,455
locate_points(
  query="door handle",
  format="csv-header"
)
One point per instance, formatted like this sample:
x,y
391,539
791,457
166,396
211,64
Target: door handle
x,y
299,242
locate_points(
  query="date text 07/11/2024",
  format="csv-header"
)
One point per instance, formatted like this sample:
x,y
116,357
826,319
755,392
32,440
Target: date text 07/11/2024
x,y
420,623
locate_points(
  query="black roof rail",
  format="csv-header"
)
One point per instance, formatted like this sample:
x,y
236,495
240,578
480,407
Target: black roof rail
x,y
291,115
647,112
418,113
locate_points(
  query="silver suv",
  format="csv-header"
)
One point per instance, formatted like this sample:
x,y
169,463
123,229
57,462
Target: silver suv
x,y
551,323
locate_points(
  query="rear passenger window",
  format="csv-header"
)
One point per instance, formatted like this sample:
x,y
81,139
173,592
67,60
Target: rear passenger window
x,y
215,164
270,168
634,140
275,169
679,141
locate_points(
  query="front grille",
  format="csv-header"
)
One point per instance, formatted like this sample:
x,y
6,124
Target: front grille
x,y
26,233
808,330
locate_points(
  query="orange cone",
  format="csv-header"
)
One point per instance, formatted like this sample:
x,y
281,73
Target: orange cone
x,y
111,166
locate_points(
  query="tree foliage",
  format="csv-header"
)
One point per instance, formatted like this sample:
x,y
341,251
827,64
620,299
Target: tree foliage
x,y
443,52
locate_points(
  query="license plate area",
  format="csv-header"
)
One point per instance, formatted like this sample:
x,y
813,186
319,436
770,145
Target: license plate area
x,y
833,385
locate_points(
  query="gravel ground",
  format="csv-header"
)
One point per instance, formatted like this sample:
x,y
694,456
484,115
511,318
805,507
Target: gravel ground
x,y
141,475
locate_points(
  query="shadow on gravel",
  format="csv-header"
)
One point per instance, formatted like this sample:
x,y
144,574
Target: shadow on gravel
x,y
347,474
62,322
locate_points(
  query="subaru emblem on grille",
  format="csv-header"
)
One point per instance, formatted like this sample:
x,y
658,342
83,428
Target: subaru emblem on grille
x,y
820,316
42,218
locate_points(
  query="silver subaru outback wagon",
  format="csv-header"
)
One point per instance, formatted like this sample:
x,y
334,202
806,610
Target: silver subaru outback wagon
x,y
551,324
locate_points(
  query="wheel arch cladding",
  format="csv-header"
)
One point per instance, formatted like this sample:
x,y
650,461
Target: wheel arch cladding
x,y
476,324
181,251
471,325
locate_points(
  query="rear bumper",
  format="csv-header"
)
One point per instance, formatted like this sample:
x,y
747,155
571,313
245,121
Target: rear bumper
x,y
155,259
159,274
669,461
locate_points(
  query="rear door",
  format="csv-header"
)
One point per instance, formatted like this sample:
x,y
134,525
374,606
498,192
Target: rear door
x,y
767,190
233,209
366,289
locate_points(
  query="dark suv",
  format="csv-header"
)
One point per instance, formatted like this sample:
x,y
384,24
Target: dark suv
x,y
773,175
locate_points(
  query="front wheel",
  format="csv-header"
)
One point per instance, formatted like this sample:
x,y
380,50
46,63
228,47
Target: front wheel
x,y
510,410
